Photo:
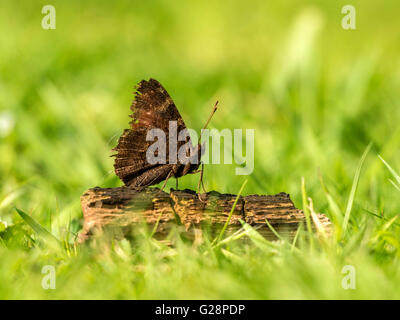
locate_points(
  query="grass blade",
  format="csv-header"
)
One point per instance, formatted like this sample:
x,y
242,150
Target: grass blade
x,y
299,229
258,240
317,223
306,211
335,211
230,213
354,189
274,231
383,229
393,172
394,184
42,232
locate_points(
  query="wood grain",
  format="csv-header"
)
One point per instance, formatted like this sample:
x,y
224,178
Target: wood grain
x,y
124,207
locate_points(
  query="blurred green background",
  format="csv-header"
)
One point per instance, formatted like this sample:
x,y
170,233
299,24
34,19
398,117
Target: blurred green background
x,y
315,94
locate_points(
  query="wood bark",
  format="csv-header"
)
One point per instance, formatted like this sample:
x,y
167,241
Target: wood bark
x,y
122,208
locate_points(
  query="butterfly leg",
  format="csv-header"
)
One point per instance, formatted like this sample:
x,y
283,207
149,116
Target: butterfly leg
x,y
201,177
165,182
201,183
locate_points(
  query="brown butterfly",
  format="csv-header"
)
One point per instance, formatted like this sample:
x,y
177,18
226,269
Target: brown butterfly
x,y
152,108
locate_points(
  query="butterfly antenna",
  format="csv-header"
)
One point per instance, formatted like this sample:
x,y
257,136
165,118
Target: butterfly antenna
x,y
209,118
211,115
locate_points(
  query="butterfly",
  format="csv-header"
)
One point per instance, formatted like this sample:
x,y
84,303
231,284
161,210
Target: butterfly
x,y
153,108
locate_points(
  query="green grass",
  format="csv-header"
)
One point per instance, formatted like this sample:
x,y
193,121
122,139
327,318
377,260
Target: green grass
x,y
316,95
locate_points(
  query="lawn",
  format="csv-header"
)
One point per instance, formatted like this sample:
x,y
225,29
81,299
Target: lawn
x,y
324,104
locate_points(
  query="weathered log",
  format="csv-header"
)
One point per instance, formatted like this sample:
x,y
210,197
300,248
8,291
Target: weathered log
x,y
124,207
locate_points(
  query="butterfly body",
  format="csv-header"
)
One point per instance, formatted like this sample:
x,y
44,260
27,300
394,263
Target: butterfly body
x,y
152,108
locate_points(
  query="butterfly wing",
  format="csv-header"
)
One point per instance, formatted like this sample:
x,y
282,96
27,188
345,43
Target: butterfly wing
x,y
152,108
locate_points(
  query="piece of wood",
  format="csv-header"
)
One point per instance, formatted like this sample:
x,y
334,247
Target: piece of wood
x,y
124,207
